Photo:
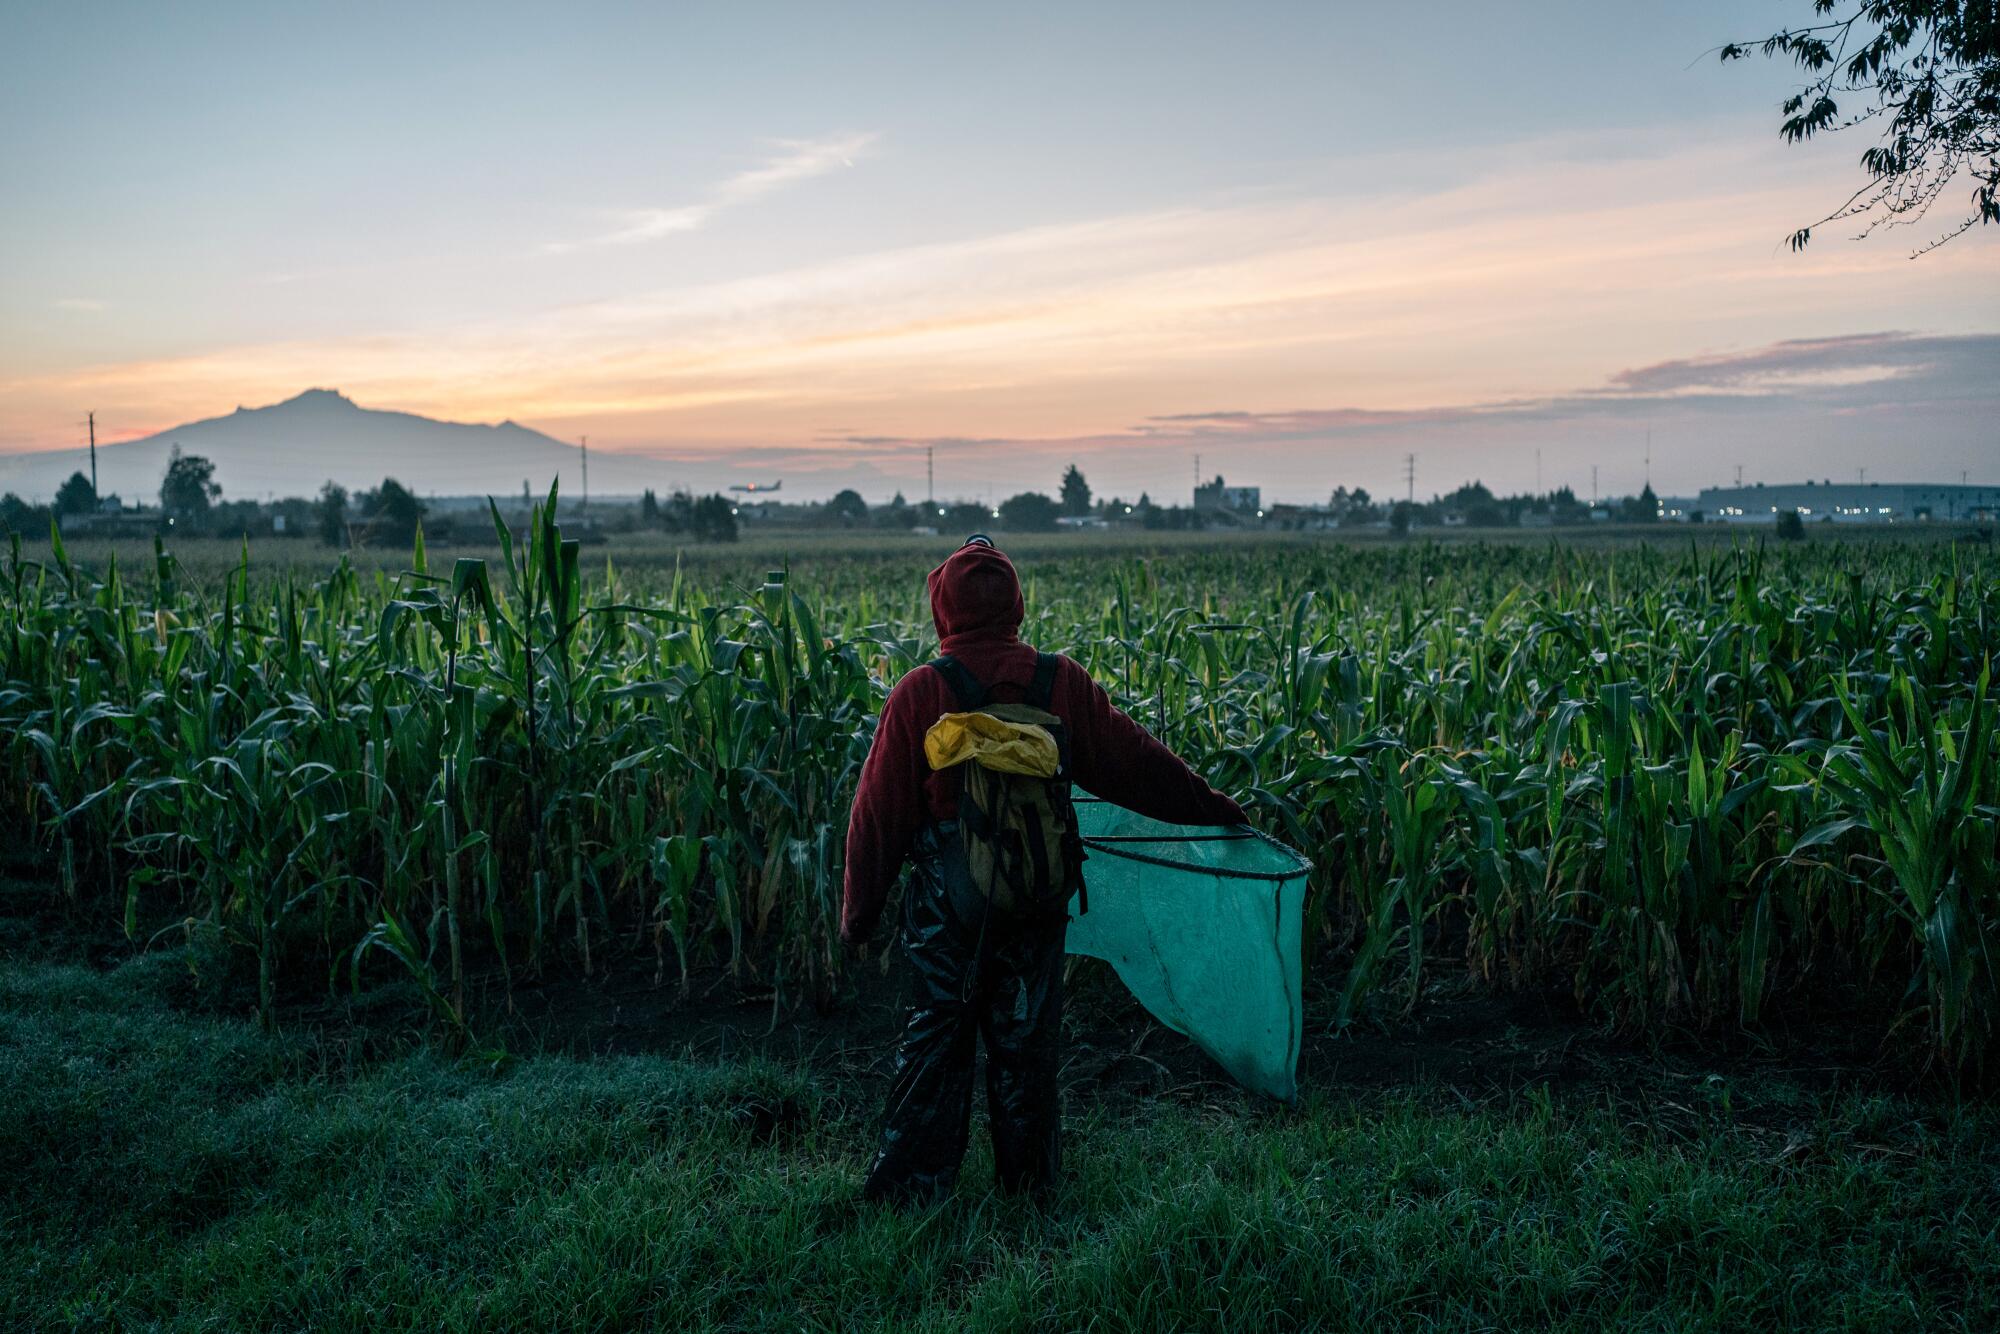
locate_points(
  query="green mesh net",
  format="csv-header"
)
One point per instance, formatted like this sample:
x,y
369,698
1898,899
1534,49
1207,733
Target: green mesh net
x,y
1204,925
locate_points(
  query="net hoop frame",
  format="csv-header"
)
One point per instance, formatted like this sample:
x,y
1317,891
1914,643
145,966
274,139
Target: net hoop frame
x,y
1111,846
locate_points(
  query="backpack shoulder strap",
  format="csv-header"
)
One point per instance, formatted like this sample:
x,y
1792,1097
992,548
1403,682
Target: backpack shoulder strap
x,y
1042,689
971,695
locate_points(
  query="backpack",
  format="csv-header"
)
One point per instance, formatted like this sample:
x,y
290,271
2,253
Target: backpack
x,y
1017,829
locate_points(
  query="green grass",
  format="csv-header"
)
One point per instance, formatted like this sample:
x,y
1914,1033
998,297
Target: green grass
x,y
169,1169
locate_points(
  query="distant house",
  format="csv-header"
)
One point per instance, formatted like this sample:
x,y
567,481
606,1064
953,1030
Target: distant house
x,y
112,519
1305,518
1216,496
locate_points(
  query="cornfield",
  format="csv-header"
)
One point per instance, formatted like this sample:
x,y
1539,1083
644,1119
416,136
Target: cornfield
x,y
1689,782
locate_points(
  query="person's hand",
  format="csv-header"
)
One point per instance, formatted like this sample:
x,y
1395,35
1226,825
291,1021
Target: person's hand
x,y
854,945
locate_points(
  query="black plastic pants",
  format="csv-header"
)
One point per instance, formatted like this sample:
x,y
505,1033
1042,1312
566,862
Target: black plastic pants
x,y
974,977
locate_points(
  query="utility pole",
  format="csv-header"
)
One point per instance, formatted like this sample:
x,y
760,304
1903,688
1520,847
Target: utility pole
x,y
1410,475
1739,476
1593,484
93,459
930,475
583,443
1538,472
1649,458
1861,476
1197,481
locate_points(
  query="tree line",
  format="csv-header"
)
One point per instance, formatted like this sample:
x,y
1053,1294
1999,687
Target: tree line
x,y
191,503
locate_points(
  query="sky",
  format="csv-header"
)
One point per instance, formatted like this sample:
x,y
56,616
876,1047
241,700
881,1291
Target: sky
x,y
1299,243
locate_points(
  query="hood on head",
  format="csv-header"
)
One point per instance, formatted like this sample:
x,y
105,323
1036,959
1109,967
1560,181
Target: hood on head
x,y
975,591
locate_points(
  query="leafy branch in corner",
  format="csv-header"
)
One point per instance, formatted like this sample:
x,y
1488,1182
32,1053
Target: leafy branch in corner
x,y
1928,72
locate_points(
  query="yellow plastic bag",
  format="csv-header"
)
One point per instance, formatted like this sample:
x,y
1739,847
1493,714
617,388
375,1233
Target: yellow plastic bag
x,y
994,743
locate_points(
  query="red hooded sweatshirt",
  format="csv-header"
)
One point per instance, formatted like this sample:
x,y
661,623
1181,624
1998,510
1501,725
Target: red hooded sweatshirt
x,y
976,603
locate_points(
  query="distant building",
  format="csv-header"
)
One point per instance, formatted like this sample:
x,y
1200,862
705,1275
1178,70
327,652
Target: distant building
x,y
1246,500
1849,502
115,522
1306,518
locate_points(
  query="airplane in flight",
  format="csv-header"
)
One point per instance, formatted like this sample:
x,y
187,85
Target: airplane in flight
x,y
758,488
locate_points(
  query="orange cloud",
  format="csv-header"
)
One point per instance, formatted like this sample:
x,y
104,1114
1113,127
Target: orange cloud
x,y
1541,276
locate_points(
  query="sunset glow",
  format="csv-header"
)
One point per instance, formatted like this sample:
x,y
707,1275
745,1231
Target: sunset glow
x,y
1539,266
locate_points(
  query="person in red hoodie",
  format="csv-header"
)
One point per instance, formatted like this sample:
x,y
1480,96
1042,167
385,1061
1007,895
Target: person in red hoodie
x,y
977,978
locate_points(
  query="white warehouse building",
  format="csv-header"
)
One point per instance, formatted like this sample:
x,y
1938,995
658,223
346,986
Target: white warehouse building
x,y
1849,502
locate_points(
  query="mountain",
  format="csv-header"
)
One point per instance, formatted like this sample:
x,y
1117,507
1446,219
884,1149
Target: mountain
x,y
292,448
